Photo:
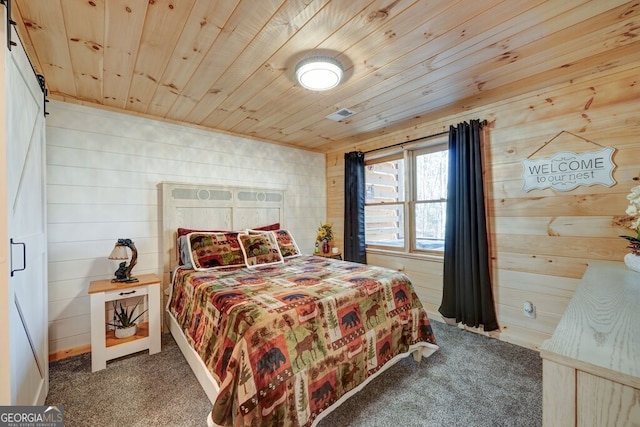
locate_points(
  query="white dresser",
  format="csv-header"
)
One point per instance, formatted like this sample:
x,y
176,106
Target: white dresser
x,y
591,364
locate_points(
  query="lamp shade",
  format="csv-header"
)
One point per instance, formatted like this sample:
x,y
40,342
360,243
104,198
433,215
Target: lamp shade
x,y
319,73
119,252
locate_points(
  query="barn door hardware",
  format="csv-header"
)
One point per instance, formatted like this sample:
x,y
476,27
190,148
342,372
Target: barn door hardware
x,y
24,256
41,81
10,22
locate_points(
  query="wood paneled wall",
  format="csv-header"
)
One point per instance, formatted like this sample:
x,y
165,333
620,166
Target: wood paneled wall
x,y
103,169
541,240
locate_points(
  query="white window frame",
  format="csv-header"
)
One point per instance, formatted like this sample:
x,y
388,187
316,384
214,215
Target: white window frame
x,y
408,152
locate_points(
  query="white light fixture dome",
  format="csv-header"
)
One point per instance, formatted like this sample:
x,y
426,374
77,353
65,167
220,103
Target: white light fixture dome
x,y
319,73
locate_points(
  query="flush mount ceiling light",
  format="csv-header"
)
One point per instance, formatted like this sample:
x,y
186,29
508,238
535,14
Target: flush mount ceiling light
x,y
319,73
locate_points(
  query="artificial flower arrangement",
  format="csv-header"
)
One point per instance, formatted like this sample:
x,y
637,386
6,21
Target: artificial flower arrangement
x,y
325,233
632,220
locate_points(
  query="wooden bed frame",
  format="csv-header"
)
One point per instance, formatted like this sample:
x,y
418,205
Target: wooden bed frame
x,y
210,207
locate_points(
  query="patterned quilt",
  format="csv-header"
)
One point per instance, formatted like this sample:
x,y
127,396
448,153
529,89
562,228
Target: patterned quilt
x,y
285,342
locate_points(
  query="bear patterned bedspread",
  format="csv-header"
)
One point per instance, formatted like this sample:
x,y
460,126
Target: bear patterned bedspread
x,y
285,342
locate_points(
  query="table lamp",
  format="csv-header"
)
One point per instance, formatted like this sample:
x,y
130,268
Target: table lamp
x,y
119,252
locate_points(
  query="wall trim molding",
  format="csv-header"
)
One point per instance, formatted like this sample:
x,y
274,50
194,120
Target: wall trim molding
x,y
70,352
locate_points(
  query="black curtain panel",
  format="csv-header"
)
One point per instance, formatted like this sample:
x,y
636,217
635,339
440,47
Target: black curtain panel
x,y
354,242
467,296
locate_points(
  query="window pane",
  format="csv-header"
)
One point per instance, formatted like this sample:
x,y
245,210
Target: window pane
x,y
431,175
384,181
430,223
384,225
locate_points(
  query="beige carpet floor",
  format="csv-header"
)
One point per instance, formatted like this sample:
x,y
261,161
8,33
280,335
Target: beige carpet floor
x,y
471,381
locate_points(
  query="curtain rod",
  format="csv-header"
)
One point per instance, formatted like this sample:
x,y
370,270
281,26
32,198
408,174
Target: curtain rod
x,y
407,142
482,123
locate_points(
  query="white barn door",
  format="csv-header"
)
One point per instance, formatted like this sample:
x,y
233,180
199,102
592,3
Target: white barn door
x,y
26,216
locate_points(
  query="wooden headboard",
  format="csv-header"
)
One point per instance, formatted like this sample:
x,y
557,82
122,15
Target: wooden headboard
x,y
211,207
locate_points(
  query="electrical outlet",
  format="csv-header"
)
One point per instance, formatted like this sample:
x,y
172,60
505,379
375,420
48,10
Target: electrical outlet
x,y
529,310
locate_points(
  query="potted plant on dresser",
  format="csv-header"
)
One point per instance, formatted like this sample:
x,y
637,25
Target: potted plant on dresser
x,y
632,222
124,320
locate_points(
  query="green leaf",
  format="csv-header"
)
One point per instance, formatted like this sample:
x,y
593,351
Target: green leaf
x,y
124,318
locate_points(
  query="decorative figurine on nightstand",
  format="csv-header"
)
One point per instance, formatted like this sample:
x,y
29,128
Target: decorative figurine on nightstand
x,y
123,273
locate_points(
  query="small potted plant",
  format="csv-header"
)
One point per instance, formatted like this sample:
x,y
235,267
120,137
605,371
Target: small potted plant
x,y
124,320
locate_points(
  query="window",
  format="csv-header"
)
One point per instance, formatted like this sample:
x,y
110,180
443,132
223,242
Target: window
x,y
406,195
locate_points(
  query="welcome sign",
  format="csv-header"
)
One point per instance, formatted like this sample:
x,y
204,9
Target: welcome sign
x,y
566,170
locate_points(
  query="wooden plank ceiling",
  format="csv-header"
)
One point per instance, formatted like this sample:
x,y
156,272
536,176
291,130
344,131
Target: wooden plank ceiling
x,y
229,64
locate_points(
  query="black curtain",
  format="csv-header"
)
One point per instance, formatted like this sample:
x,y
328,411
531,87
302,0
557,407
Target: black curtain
x,y
354,242
467,296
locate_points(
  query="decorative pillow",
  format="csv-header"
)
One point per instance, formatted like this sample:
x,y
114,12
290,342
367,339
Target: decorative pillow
x,y
184,253
286,243
182,243
214,250
271,227
260,249
184,231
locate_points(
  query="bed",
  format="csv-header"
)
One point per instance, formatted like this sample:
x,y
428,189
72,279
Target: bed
x,y
276,337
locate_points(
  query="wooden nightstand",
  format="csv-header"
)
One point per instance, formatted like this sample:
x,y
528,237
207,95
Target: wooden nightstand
x,y
330,255
104,345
